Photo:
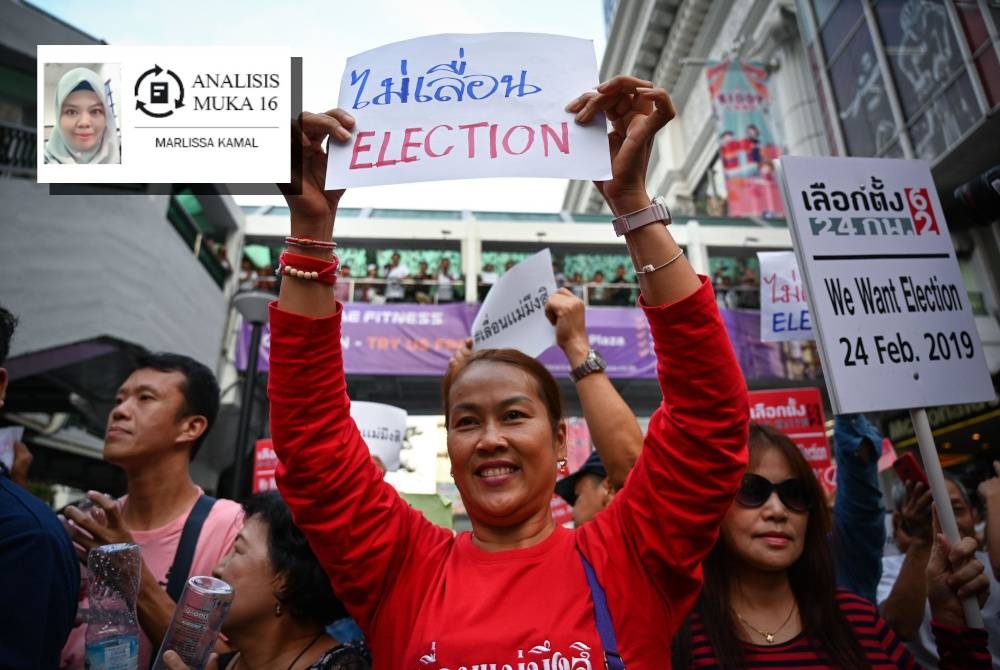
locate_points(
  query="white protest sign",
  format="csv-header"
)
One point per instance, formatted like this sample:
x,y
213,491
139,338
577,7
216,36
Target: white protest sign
x,y
464,106
885,292
8,436
383,428
513,313
784,312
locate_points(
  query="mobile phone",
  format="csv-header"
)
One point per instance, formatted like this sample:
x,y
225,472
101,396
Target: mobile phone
x,y
908,470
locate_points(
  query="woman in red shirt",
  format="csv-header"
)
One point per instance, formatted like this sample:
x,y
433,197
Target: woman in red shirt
x,y
513,592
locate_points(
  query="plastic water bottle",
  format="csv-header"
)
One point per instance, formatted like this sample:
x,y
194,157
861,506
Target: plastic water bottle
x,y
197,621
113,629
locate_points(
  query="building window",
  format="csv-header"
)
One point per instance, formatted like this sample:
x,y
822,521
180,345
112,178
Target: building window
x,y
984,55
936,93
934,89
862,100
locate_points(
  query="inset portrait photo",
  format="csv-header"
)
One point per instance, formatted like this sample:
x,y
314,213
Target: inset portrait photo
x,y
81,113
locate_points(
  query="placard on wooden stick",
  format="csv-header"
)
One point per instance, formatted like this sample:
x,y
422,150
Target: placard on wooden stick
x,y
887,300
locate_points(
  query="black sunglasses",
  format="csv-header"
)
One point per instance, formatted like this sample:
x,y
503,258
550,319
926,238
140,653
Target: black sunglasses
x,y
755,490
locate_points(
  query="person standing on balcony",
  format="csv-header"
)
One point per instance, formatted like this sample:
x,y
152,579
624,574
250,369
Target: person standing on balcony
x,y
487,279
621,296
599,291
395,273
445,281
424,281
85,129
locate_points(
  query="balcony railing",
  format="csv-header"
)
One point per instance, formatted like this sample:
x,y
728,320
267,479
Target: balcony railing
x,y
18,147
417,291
188,229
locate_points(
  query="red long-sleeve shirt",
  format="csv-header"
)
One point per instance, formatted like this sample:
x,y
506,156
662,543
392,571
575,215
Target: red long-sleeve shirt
x,y
429,600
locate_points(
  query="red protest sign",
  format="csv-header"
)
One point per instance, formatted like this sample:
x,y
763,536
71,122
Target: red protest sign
x,y
264,464
798,413
562,512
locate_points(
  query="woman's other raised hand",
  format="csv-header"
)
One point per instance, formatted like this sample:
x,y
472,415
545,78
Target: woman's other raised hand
x,y
313,210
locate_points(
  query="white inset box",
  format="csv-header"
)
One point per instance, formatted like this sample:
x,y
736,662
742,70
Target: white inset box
x,y
121,114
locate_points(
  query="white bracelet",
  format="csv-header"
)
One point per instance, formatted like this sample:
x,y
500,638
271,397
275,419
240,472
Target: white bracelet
x,y
649,269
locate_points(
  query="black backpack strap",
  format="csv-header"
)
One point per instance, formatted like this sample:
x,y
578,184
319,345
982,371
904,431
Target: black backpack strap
x,y
178,575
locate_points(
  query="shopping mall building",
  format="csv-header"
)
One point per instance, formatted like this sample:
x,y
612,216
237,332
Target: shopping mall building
x,y
913,79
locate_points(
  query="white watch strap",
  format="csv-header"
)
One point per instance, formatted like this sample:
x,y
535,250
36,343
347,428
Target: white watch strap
x,y
657,211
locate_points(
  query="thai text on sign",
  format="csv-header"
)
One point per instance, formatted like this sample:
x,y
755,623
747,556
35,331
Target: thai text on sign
x,y
784,310
513,313
885,293
462,106
798,413
265,463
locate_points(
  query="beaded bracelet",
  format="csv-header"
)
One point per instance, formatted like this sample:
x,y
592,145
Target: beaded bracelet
x,y
309,267
310,243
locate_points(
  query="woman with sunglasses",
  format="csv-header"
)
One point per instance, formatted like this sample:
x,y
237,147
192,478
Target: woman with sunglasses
x,y
770,598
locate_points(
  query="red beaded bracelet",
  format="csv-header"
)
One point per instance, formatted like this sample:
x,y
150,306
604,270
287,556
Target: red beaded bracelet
x,y
309,267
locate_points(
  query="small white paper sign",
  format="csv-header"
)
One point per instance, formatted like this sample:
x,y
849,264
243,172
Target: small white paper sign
x,y
383,428
513,313
465,106
893,320
784,311
8,436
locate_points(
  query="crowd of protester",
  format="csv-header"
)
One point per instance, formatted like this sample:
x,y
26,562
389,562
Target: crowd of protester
x,y
396,283
705,543
737,285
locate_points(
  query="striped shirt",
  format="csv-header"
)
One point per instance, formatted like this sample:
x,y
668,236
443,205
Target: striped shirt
x,y
961,648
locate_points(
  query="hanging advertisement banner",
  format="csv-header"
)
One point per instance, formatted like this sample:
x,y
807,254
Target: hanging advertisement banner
x,y
748,146
265,462
798,413
416,339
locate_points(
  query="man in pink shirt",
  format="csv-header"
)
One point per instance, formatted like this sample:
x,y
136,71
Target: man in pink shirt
x,y
162,413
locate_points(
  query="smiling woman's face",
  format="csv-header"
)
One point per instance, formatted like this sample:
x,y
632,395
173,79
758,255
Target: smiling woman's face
x,y
502,444
81,120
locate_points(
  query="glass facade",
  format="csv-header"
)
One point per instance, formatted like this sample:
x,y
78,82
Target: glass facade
x,y
938,56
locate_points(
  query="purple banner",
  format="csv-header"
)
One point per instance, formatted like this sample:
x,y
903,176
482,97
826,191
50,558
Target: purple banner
x,y
419,340
759,360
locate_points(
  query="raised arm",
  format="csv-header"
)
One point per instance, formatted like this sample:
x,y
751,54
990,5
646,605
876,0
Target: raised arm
x,y
953,574
903,607
858,516
989,493
358,526
313,209
612,425
668,514
637,111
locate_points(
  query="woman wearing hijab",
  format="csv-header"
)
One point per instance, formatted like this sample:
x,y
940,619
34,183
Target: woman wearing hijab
x,y
85,130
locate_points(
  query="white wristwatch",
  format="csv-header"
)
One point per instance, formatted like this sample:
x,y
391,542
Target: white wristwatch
x,y
657,211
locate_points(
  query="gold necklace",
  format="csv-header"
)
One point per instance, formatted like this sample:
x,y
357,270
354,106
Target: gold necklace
x,y
769,637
